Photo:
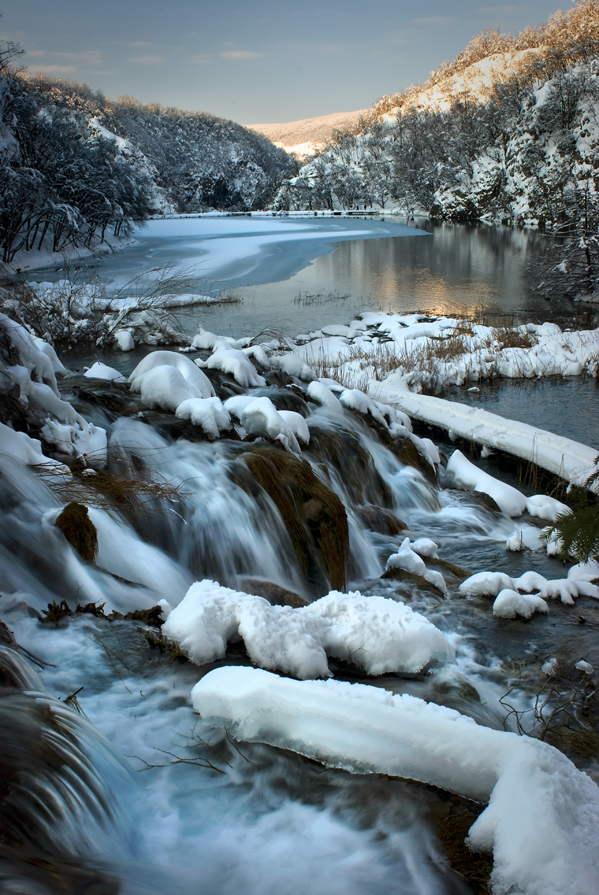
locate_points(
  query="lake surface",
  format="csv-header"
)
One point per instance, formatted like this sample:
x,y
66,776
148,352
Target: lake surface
x,y
298,274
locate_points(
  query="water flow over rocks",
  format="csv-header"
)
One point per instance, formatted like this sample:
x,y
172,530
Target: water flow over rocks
x,y
258,528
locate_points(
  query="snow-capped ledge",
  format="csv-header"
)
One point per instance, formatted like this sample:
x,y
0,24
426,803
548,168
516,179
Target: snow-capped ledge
x,y
543,813
570,460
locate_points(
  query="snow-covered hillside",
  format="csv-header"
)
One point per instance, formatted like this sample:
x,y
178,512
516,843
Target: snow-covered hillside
x,y
507,133
308,136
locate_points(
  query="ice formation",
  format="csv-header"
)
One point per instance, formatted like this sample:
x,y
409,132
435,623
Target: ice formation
x,y
373,633
542,815
34,381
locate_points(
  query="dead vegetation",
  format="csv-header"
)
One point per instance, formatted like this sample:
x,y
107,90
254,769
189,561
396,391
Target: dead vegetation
x,y
354,367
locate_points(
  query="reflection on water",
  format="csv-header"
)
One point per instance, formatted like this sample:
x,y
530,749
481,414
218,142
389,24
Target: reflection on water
x,y
458,270
564,406
295,276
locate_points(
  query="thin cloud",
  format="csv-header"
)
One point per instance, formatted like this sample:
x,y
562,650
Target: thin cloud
x,y
93,57
147,60
201,59
434,20
64,69
240,55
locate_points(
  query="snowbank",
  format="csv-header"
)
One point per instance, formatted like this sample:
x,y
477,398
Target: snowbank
x,y
543,814
373,633
561,456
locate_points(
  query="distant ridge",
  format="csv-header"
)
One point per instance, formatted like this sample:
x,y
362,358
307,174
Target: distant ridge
x,y
308,135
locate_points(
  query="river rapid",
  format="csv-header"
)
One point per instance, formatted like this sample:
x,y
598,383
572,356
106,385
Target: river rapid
x,y
122,787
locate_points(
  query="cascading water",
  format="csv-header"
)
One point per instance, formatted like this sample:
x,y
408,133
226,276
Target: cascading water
x,y
205,814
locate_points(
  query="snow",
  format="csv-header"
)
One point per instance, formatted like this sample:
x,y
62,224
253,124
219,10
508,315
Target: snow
x,y
584,666
124,340
510,603
561,456
464,474
100,370
166,379
491,584
542,815
234,361
260,417
376,634
20,446
208,413
410,561
293,366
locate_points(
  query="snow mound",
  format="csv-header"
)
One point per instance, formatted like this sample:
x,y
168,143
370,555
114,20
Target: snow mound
x,y
493,584
235,362
410,561
293,366
166,379
103,371
464,474
208,413
375,634
543,813
510,603
260,417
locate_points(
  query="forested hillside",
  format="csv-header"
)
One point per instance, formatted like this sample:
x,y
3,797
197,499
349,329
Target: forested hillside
x,y
76,167
506,133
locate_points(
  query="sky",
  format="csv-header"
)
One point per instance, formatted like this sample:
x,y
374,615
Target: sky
x,y
254,61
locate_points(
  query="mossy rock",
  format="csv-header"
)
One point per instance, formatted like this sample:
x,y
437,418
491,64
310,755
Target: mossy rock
x,y
381,521
79,530
274,593
346,453
402,575
313,515
487,501
406,451
453,817
445,566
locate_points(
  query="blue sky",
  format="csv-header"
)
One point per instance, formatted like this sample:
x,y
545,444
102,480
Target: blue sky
x,y
254,61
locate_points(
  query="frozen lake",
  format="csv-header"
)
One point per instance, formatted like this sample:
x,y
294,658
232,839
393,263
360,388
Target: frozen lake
x,y
296,274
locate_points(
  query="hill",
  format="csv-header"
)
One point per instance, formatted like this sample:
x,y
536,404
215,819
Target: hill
x,y
309,135
508,132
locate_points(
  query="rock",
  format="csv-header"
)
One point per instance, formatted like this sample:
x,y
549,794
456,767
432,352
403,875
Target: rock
x,y
79,530
381,521
274,593
313,515
402,575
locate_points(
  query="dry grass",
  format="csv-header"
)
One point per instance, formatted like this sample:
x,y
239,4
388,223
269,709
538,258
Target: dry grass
x,y
356,367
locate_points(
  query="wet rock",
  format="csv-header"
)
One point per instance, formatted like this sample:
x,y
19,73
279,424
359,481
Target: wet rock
x,y
446,566
79,530
114,398
381,521
313,515
406,451
402,575
284,399
353,462
487,501
224,384
278,378
274,593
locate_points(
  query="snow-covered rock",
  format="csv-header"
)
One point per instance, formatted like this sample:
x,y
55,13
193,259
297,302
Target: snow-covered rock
x,y
373,633
542,815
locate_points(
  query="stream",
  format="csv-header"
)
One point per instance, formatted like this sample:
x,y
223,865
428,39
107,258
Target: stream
x,y
117,785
